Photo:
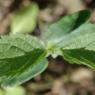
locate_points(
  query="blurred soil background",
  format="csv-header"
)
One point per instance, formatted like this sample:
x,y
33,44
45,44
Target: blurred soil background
x,y
60,78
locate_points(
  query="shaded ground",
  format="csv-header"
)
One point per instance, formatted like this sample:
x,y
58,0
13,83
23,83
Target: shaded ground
x,y
60,78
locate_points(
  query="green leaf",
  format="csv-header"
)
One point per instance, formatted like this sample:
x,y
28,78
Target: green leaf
x,y
66,25
17,45
83,37
25,20
18,90
14,71
80,56
21,58
79,46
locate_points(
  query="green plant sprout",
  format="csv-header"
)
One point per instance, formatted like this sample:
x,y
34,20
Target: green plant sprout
x,y
23,56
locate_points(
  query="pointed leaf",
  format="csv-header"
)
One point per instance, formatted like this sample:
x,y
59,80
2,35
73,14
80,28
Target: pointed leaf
x,y
66,25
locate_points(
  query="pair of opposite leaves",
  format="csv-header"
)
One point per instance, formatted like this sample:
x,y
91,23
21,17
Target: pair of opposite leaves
x,y
23,56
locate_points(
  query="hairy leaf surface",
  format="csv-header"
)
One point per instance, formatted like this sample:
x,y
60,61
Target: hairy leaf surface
x,y
83,37
66,25
79,46
21,58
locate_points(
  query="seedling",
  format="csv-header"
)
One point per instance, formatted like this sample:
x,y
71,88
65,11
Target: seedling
x,y
23,56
